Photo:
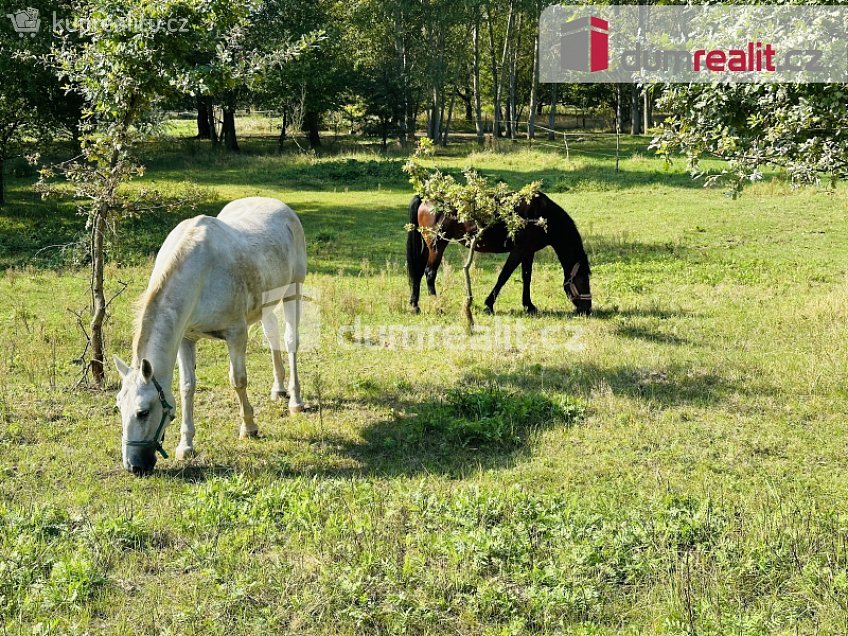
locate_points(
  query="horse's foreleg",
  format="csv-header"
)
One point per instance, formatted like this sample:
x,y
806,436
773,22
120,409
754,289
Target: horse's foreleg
x,y
527,275
292,311
506,271
271,327
237,347
188,381
437,251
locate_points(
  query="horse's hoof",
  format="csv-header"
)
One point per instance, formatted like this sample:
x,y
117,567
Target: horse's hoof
x,y
279,396
531,310
294,409
488,310
415,309
245,433
184,453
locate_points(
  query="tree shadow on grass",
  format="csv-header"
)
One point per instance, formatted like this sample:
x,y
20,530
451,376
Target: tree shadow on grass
x,y
598,313
196,472
596,177
386,451
419,439
424,437
642,333
609,313
476,427
662,387
604,250
394,446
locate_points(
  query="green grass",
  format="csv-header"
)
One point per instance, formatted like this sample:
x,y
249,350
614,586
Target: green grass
x,y
674,464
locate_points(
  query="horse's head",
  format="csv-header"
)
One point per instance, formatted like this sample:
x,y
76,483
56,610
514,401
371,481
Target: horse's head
x,y
146,409
578,289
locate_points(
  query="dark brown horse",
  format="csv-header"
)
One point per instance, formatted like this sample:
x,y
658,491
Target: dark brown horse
x,y
424,252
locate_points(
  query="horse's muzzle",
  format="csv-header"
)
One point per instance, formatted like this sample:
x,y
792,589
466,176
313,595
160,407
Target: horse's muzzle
x,y
140,464
583,307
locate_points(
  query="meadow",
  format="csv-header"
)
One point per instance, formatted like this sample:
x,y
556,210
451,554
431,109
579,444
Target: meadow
x,y
673,464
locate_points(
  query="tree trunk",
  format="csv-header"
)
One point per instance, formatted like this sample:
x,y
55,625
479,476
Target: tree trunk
x,y
283,126
635,112
513,72
619,114
534,89
213,127
411,123
98,299
505,58
203,131
400,49
648,109
552,113
437,108
228,129
311,123
447,122
469,292
2,181
440,128
496,89
478,108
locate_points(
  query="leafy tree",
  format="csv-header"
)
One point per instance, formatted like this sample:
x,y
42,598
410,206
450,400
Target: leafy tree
x,y
384,39
319,81
477,202
802,128
130,54
33,107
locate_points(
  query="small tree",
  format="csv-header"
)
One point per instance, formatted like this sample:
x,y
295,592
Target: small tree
x,y
120,63
477,203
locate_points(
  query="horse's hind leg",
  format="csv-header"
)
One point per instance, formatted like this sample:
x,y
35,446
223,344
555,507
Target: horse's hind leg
x,y
292,310
435,259
237,347
415,290
271,327
188,381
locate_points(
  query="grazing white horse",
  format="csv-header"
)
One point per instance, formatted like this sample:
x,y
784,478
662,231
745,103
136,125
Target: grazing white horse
x,y
213,277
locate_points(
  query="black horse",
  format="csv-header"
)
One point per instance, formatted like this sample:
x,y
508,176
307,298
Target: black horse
x,y
424,251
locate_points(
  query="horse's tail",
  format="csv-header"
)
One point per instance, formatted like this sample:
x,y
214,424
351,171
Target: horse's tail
x,y
416,249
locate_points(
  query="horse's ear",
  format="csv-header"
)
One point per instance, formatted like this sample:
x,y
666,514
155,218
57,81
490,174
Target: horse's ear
x,y
123,367
146,370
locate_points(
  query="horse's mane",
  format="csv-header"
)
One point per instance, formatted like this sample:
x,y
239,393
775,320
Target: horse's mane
x,y
189,239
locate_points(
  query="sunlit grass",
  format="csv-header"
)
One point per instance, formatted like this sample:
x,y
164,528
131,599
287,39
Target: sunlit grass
x,y
697,484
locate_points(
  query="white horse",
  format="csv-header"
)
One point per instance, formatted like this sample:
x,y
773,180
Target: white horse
x,y
213,277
